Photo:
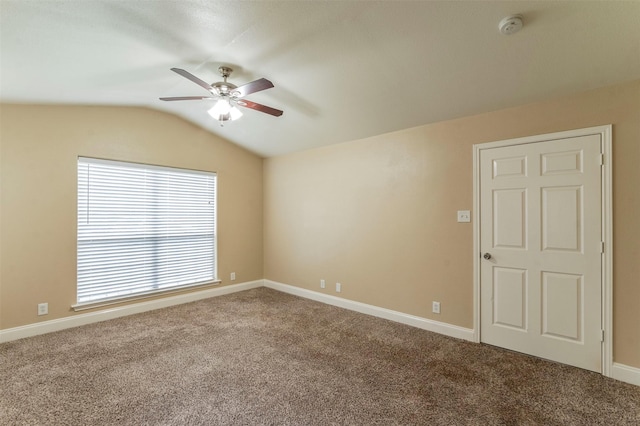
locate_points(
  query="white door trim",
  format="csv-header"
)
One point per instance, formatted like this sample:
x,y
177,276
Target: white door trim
x,y
605,133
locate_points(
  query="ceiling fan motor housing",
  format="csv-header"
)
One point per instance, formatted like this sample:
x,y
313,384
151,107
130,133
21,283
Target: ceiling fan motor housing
x,y
223,88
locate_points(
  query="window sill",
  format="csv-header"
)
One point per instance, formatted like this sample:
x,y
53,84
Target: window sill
x,y
116,300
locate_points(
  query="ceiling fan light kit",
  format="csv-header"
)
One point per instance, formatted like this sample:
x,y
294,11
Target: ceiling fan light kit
x,y
227,95
224,111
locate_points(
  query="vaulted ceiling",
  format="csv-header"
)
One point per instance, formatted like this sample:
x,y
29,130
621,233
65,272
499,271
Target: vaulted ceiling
x,y
342,70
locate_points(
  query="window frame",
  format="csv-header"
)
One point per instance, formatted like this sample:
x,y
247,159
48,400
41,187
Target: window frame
x,y
89,304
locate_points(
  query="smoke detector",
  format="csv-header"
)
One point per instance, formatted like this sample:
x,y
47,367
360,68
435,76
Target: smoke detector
x,y
511,24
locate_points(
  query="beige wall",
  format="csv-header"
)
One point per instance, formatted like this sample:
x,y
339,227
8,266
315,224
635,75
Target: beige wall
x,y
39,146
379,215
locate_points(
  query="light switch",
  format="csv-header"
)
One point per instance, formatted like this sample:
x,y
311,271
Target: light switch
x,y
464,216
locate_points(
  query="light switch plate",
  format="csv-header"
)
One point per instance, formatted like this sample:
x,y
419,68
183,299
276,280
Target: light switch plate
x,y
464,216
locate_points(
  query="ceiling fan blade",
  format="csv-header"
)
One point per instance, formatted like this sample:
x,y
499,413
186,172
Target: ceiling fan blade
x,y
260,107
196,80
187,98
252,87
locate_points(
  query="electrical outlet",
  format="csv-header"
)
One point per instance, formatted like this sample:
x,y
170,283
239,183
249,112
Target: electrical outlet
x,y
233,276
322,284
435,307
43,308
338,287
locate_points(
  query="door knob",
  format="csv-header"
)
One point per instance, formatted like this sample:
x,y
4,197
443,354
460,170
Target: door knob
x,y
487,256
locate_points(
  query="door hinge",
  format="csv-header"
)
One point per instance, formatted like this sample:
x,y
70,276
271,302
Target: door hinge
x,y
602,159
601,246
602,335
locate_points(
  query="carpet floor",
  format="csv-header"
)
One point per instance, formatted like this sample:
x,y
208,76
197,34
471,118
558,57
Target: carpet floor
x,y
262,357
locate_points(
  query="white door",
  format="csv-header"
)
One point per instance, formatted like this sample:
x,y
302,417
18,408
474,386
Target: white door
x,y
541,241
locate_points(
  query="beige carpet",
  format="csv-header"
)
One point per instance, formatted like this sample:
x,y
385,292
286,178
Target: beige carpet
x,y
262,357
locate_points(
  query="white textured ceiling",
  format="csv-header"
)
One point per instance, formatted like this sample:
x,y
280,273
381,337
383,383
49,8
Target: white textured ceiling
x,y
342,70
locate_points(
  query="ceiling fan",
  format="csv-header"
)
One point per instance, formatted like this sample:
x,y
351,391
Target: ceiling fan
x,y
227,95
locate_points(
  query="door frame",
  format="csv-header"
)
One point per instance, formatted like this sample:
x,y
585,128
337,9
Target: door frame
x,y
605,133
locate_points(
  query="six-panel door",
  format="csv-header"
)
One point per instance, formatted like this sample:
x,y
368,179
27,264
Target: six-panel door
x,y
540,219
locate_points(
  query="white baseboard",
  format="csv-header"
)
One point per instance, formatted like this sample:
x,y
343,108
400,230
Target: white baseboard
x,y
111,313
621,372
625,373
419,322
35,329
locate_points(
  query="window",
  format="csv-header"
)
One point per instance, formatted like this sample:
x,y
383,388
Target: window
x,y
143,229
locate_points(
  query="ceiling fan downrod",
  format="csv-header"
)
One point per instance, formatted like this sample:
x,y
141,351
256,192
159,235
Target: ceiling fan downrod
x,y
225,72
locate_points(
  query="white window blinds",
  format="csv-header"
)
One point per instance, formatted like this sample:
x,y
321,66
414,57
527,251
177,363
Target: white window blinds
x,y
143,229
